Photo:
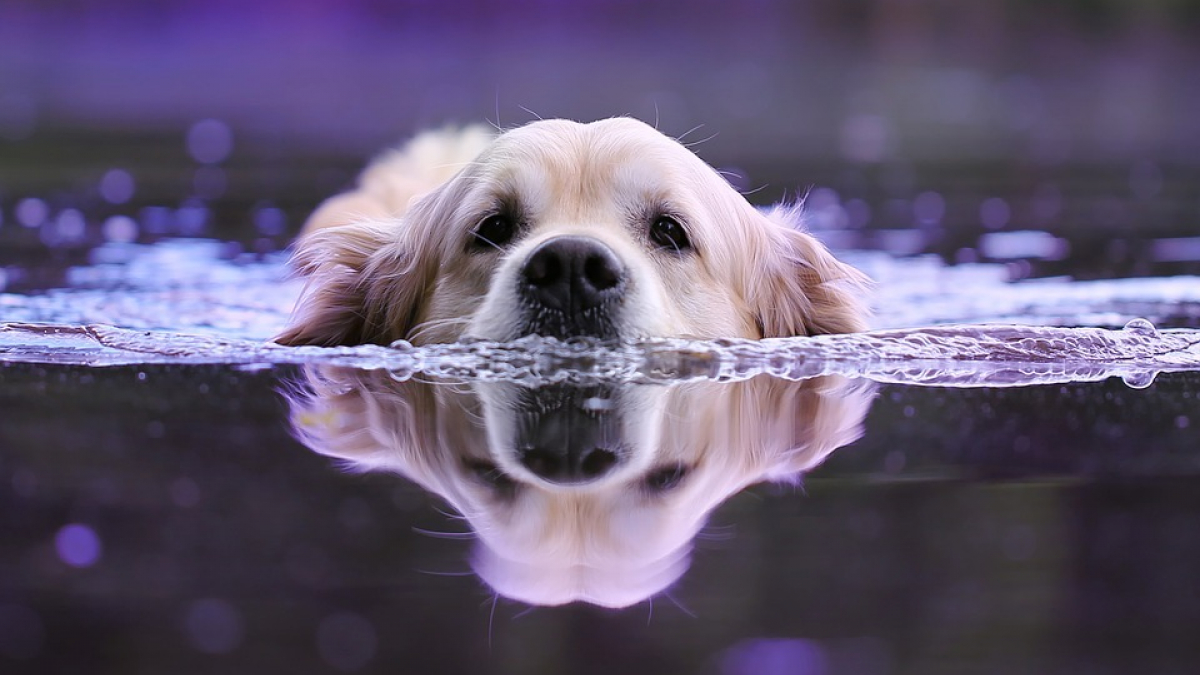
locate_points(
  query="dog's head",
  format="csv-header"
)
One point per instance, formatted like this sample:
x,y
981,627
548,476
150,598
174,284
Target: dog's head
x,y
608,229
590,493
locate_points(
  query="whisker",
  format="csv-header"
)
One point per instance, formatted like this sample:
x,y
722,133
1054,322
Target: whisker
x,y
539,117
684,135
526,612
683,608
492,618
702,140
436,534
445,574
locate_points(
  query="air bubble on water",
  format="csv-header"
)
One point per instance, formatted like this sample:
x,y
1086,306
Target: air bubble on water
x,y
1141,327
1139,379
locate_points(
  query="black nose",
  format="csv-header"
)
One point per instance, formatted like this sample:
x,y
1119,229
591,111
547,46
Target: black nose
x,y
573,274
563,440
576,465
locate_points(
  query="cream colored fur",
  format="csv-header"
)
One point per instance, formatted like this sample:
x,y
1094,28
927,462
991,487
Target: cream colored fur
x,y
608,543
389,260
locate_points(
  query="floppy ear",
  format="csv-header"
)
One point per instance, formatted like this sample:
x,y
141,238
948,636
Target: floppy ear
x,y
364,286
368,421
803,289
809,420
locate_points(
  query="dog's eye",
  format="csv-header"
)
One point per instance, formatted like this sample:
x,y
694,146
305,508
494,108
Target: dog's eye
x,y
489,474
494,232
667,233
665,478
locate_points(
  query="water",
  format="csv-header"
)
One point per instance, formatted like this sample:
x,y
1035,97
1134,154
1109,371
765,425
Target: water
x,y
1000,475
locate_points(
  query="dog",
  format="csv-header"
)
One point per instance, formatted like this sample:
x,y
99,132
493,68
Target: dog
x,y
579,493
561,229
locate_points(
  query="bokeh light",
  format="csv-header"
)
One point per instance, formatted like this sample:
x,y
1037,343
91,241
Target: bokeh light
x,y
994,213
117,186
210,141
78,545
31,212
775,656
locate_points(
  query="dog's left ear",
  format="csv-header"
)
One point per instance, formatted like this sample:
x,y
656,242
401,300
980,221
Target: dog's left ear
x,y
804,422
801,289
365,285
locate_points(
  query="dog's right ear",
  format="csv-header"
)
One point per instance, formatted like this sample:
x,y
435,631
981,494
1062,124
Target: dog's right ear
x,y
363,286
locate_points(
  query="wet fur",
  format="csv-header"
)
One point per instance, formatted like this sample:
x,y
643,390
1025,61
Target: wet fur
x,y
609,543
388,260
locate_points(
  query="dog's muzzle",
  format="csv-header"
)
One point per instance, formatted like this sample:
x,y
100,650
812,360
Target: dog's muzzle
x,y
570,435
571,285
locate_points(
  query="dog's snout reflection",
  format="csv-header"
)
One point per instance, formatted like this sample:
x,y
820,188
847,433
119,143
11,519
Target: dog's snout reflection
x,y
588,493
569,435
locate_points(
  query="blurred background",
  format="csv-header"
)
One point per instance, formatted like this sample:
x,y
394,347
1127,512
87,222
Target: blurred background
x,y
1060,137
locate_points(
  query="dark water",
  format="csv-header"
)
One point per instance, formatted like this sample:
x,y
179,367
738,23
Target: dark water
x,y
174,497
162,518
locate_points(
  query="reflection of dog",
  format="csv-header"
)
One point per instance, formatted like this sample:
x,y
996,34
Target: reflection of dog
x,y
556,228
590,493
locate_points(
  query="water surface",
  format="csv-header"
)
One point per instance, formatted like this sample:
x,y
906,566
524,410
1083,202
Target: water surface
x,y
1001,477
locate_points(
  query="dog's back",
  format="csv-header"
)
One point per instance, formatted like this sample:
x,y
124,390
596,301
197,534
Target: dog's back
x,y
393,180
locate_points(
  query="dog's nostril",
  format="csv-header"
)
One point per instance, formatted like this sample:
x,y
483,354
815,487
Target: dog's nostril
x,y
543,269
599,271
547,464
597,462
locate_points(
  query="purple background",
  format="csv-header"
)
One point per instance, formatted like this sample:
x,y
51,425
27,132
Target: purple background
x,y
861,81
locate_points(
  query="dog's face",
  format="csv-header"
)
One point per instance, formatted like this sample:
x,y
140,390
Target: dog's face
x,y
590,493
562,229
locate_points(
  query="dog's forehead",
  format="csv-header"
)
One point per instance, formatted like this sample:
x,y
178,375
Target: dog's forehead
x,y
547,162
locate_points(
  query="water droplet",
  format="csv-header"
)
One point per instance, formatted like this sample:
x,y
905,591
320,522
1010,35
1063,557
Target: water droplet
x,y
1141,327
1140,379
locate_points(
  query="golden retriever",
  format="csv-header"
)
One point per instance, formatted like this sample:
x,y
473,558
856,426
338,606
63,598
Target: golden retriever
x,y
556,228
614,540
